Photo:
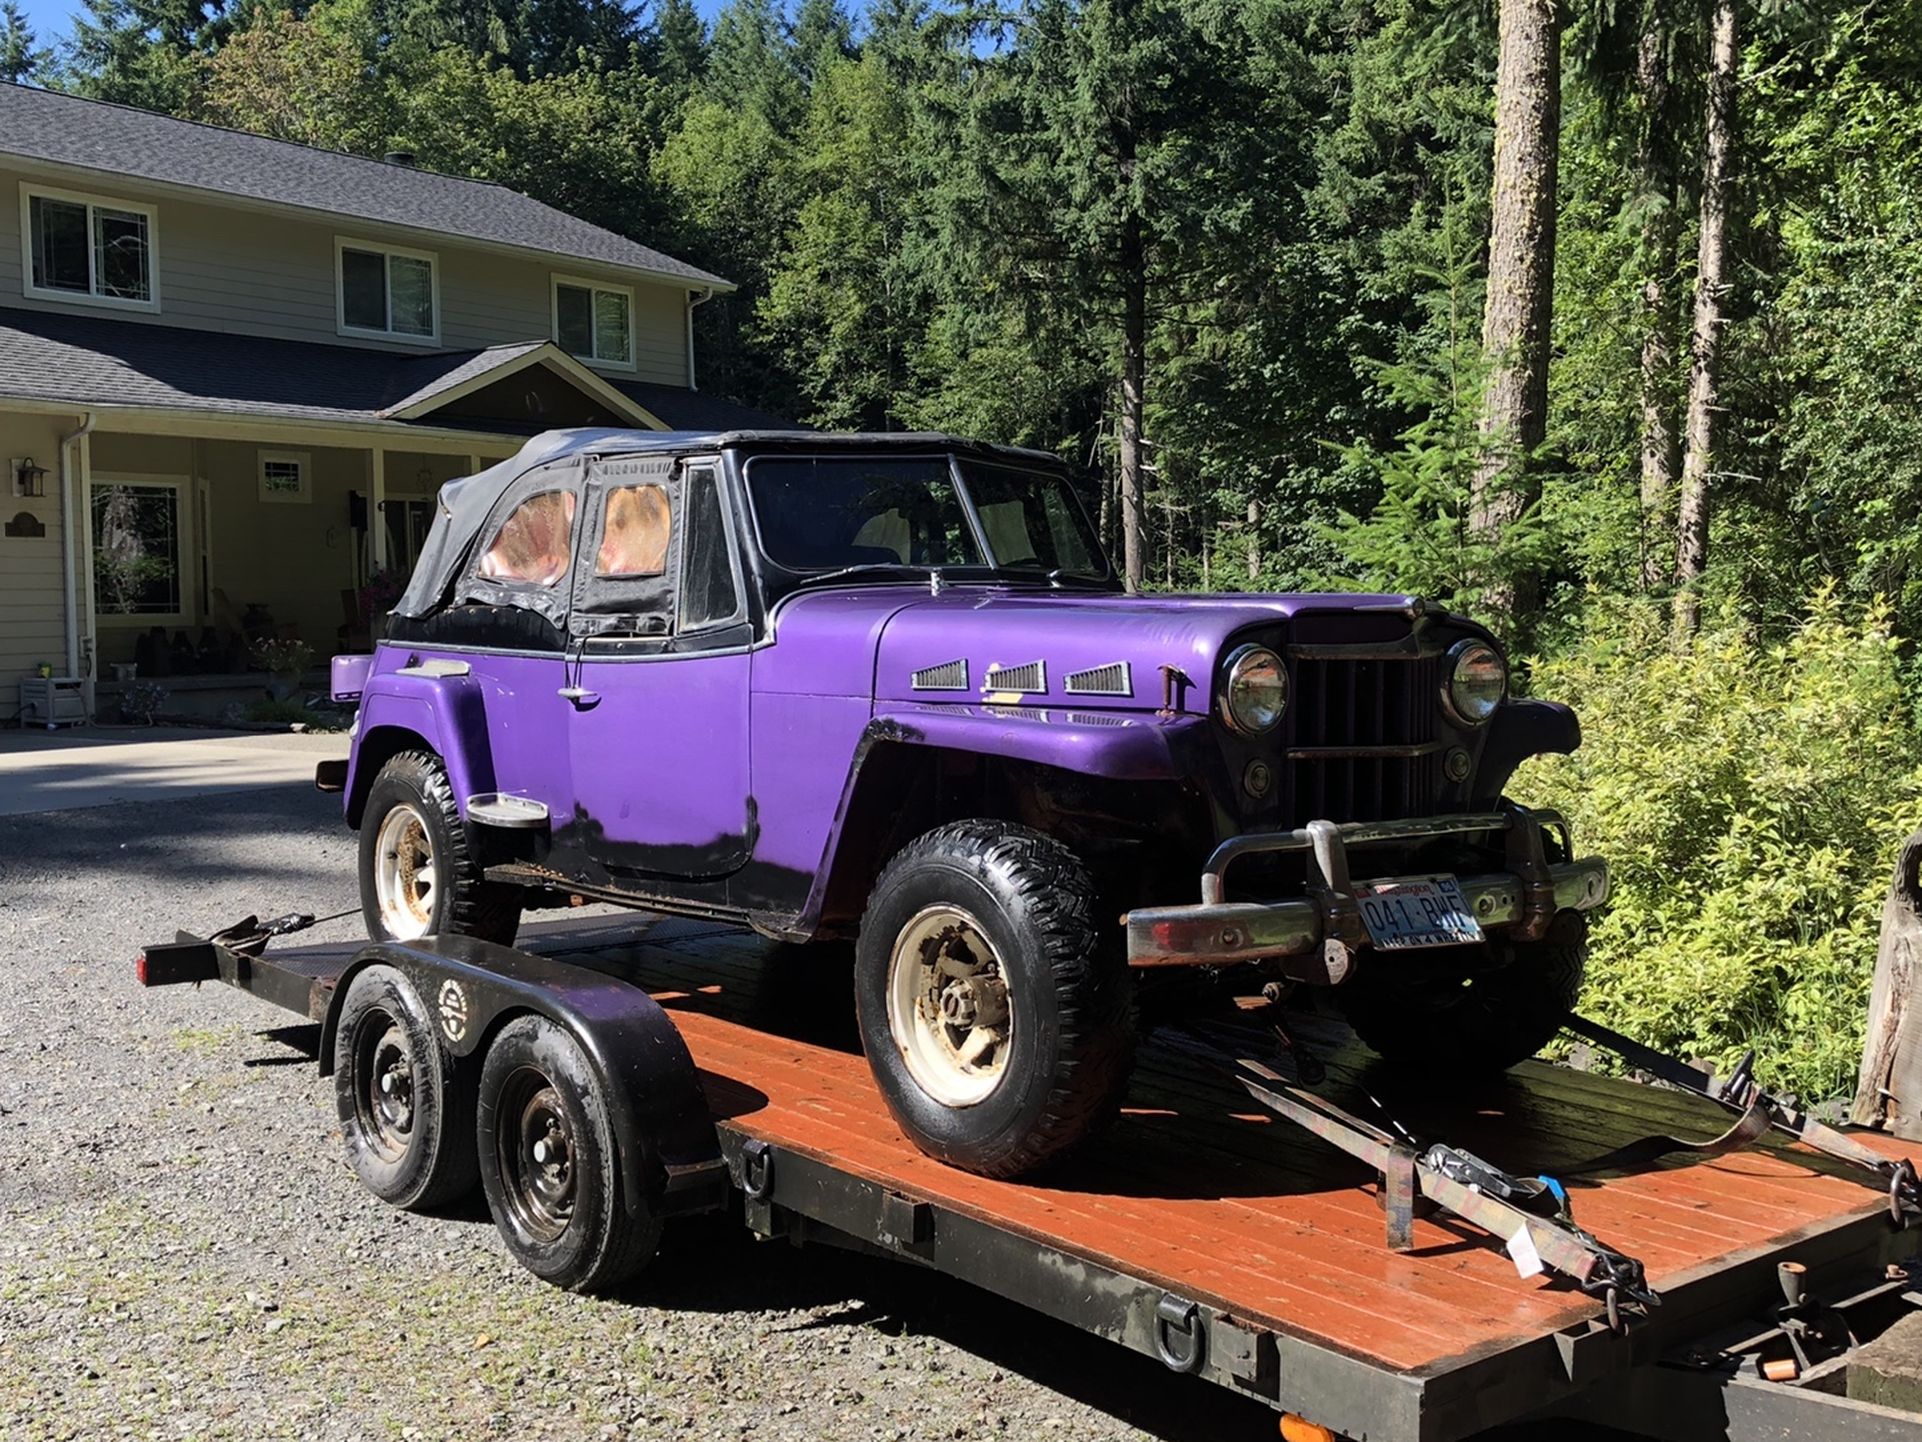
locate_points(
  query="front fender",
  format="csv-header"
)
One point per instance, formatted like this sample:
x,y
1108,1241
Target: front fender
x,y
659,1116
448,713
1522,729
1112,745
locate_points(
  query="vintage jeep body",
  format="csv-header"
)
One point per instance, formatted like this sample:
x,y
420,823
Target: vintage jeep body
x,y
887,688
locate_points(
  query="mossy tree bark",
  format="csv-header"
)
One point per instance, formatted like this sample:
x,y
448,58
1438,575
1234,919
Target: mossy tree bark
x,y
1521,276
1655,162
1705,341
1889,1091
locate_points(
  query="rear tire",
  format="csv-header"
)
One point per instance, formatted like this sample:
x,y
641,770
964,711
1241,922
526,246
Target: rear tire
x,y
996,1020
1479,1027
417,875
406,1110
549,1163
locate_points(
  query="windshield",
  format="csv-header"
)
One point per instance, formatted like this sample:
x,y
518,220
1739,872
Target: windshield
x,y
829,513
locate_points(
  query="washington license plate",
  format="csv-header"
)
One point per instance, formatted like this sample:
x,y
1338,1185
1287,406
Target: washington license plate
x,y
1415,911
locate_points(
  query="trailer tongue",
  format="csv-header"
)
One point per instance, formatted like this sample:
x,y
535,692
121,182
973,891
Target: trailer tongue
x,y
1339,1269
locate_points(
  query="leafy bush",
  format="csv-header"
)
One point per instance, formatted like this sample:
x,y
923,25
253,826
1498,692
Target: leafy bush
x,y
1749,800
289,712
281,656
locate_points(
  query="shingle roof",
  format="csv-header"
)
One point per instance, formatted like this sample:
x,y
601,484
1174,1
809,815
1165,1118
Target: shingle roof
x,y
90,360
60,129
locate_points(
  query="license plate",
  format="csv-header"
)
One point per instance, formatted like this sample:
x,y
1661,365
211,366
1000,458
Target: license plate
x,y
1415,911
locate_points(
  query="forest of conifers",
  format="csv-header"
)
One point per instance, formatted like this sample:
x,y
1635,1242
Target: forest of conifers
x,y
1602,321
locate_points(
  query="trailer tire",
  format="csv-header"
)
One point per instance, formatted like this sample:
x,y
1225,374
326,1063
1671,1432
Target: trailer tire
x,y
1486,1025
412,815
1031,967
550,1165
406,1108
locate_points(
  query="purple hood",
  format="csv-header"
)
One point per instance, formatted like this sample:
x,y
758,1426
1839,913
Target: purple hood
x,y
1094,651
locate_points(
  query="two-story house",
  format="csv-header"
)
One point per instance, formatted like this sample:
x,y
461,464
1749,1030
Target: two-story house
x,y
234,371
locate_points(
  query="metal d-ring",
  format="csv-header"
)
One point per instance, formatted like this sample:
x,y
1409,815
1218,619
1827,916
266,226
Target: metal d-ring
x,y
757,1170
1179,1337
1902,1185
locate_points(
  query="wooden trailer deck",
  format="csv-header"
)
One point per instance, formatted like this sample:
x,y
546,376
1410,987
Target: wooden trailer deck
x,y
1276,1236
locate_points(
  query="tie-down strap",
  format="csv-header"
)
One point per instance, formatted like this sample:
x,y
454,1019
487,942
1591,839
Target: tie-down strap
x,y
1742,1094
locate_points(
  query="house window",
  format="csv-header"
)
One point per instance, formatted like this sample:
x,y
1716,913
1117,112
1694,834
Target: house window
x,y
89,248
595,322
285,476
137,549
388,292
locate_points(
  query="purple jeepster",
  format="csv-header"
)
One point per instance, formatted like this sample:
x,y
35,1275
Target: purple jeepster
x,y
887,688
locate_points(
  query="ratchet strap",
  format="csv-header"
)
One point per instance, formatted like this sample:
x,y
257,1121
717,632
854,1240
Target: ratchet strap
x,y
1530,1215
1742,1094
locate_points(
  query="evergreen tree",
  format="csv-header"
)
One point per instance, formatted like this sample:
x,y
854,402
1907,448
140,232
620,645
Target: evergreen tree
x,y
678,42
20,57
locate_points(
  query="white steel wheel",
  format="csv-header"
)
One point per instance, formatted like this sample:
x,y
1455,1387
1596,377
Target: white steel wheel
x,y
404,876
948,1006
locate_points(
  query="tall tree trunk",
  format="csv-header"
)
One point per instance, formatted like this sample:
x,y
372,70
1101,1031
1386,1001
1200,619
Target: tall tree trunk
x,y
1521,273
1661,446
1705,343
1254,540
1134,367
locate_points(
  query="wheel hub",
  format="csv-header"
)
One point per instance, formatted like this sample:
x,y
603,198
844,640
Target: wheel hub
x,y
536,1145
948,1006
384,1068
404,873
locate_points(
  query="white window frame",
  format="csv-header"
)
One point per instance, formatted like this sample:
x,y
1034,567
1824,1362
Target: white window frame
x,y
345,243
29,190
304,460
183,489
581,282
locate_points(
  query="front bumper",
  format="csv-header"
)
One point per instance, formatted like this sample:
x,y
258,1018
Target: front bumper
x,y
1325,925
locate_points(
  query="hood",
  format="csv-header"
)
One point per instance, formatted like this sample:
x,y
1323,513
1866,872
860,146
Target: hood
x,y
1099,651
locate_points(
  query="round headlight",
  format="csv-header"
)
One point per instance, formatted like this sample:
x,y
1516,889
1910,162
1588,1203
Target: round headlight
x,y
1255,691
1477,681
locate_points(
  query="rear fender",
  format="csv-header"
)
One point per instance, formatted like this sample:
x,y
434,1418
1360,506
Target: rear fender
x,y
446,713
663,1130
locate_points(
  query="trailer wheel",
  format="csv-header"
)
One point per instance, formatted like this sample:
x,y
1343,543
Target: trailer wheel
x,y
417,876
549,1164
997,1024
1478,1027
406,1112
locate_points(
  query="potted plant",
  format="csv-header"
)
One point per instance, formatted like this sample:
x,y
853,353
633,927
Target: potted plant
x,y
141,701
377,597
283,659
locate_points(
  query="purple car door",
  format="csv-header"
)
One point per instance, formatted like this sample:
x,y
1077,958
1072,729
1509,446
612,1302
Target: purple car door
x,y
657,674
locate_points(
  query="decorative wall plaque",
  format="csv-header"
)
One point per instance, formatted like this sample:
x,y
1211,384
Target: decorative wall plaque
x,y
26,524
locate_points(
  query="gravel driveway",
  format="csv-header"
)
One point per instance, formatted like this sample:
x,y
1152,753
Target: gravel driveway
x,y
183,1254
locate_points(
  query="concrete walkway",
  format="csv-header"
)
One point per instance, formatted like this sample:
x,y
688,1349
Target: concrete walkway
x,y
100,765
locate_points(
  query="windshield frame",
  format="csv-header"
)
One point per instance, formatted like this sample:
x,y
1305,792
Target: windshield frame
x,y
988,569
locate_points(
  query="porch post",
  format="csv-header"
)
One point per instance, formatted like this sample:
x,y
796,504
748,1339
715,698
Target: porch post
x,y
473,465
376,504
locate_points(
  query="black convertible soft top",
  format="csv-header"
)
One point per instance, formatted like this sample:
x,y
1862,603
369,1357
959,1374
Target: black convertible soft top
x,y
466,503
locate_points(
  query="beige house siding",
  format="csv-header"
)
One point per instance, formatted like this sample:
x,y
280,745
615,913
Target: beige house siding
x,y
32,589
230,268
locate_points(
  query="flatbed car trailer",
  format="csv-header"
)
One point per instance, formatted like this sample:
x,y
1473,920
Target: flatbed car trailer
x,y
1202,1232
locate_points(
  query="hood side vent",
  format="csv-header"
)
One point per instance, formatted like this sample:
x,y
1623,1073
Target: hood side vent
x,y
1113,679
948,676
1030,680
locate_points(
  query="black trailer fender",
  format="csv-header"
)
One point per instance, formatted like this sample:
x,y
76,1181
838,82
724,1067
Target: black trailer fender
x,y
670,1157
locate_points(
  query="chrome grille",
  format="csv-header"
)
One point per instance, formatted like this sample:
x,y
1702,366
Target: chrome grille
x,y
1364,737
1110,680
948,676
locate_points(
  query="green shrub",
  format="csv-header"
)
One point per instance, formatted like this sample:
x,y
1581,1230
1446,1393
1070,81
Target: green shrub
x,y
1749,800
290,712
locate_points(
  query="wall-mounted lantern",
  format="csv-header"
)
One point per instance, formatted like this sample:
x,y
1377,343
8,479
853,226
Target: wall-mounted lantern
x,y
29,479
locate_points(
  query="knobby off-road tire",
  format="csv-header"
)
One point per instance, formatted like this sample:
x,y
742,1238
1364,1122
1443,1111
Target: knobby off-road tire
x,y
1022,908
1479,1027
549,1163
406,1108
411,826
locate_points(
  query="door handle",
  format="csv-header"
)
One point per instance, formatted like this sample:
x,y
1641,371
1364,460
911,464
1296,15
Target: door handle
x,y
580,697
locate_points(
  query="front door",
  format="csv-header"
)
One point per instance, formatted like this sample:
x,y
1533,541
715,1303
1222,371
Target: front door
x,y
658,675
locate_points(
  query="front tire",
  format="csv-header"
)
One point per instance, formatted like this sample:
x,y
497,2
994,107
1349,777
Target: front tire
x,y
406,1112
549,1164
995,1020
1486,1024
417,875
